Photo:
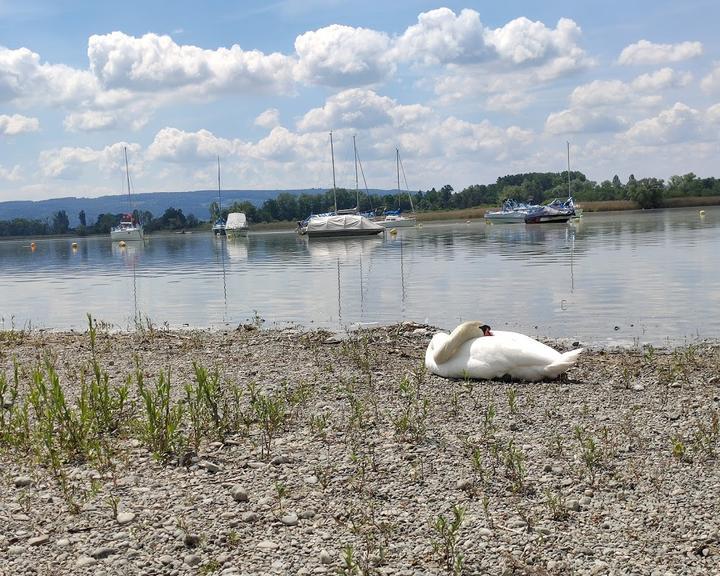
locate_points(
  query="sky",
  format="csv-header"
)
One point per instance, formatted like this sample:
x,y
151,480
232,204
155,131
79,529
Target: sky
x,y
466,91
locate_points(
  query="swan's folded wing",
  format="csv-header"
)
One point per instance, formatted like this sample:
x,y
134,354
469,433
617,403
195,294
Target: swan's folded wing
x,y
508,350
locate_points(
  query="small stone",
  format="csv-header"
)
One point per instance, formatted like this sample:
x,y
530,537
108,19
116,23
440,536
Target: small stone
x,y
102,552
289,519
125,518
192,559
485,532
191,540
37,540
22,481
280,459
249,517
267,545
573,505
62,543
15,550
547,468
464,484
166,559
325,557
85,561
210,466
585,501
638,387
307,514
239,494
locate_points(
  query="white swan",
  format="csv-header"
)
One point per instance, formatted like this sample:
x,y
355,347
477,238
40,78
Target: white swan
x,y
472,350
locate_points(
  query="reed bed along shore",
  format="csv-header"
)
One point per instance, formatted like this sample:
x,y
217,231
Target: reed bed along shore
x,y
300,452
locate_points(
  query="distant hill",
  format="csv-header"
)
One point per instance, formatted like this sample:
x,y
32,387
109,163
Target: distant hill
x,y
195,202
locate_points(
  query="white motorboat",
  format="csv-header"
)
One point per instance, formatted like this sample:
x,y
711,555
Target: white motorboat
x,y
512,212
236,225
129,228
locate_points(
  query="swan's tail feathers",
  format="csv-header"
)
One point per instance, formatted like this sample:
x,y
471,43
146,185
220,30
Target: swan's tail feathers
x,y
563,363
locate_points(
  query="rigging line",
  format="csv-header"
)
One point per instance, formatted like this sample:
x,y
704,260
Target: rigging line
x,y
362,172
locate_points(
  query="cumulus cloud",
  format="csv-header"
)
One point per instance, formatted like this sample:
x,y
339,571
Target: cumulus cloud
x,y
576,120
673,125
268,119
173,145
711,82
10,174
343,56
154,62
646,52
661,79
25,80
442,37
68,163
356,108
17,124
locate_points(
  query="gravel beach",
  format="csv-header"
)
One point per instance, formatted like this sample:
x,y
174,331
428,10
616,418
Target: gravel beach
x,y
301,452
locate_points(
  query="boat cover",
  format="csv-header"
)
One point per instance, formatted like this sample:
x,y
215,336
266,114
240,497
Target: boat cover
x,y
340,222
236,220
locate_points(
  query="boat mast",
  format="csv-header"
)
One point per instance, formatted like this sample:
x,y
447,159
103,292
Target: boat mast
x,y
568,162
332,156
127,175
357,189
219,198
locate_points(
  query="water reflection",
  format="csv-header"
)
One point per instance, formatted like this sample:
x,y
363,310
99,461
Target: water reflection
x,y
645,273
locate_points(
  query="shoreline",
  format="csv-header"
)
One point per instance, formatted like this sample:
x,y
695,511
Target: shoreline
x,y
439,215
327,455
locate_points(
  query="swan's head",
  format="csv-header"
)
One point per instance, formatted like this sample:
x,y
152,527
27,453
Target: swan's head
x,y
474,329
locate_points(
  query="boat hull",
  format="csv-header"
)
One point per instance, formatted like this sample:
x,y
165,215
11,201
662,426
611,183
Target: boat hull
x,y
506,217
546,218
236,232
340,233
397,223
127,234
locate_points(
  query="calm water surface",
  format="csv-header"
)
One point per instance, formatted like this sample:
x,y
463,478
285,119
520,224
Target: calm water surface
x,y
630,277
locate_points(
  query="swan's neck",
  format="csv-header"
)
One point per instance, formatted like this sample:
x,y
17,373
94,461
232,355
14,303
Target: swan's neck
x,y
456,339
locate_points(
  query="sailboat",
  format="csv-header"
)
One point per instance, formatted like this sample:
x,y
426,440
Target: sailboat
x,y
218,228
338,223
129,228
394,218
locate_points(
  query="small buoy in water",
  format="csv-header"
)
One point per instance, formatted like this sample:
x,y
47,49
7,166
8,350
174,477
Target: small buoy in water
x,y
393,231
467,221
74,245
32,245
702,212
122,244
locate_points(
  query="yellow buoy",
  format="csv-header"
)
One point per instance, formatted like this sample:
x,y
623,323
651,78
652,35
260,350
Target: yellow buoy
x,y
32,245
74,245
702,212
393,231
122,243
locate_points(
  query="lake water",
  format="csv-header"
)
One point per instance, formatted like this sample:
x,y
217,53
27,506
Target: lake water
x,y
626,277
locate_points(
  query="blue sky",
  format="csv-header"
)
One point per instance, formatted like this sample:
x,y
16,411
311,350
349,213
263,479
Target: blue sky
x,y
468,91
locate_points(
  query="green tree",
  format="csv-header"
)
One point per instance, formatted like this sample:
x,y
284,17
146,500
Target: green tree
x,y
61,222
648,192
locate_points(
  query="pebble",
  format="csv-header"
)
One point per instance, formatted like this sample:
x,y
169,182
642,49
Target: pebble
x,y
289,519
85,561
191,540
15,550
125,518
267,545
325,557
103,552
249,517
210,466
280,459
192,559
37,540
239,494
22,481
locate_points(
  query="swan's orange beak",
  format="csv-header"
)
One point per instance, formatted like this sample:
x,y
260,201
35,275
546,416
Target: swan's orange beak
x,y
486,330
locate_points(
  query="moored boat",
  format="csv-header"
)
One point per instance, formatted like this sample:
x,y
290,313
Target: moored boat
x,y
129,228
236,225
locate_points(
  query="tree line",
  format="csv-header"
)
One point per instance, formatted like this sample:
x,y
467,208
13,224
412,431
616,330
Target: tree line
x,y
535,187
